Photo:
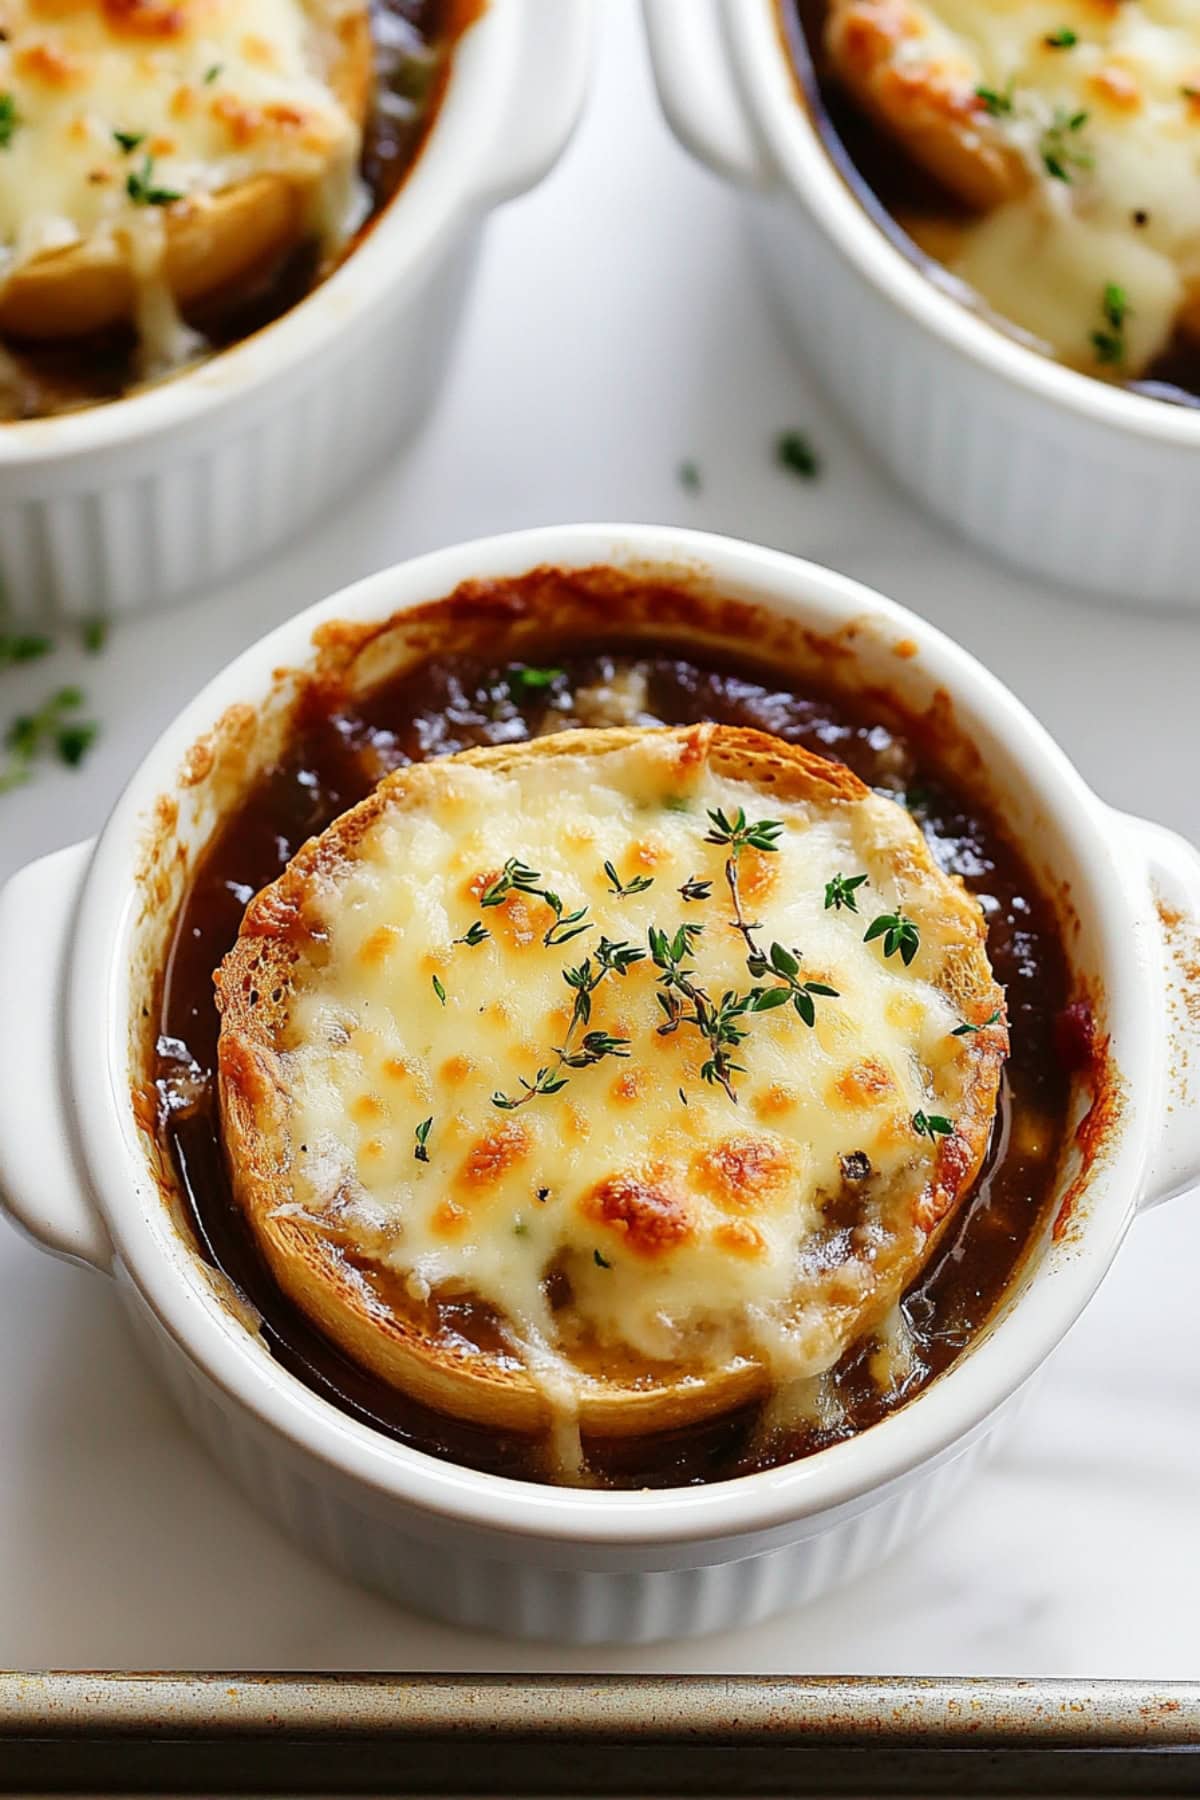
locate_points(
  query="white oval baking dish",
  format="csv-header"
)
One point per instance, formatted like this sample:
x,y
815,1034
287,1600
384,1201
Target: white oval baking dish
x,y
82,931
1066,477
138,502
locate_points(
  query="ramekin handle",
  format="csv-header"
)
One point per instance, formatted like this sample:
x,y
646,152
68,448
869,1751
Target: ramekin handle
x,y
551,66
698,90
42,1187
1173,869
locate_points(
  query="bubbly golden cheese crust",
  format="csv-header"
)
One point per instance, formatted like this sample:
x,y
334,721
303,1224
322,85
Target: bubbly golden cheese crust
x,y
183,140
653,1224
1072,127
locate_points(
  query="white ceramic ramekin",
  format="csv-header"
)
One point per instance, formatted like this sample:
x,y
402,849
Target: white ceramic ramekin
x,y
1064,476
136,503
80,930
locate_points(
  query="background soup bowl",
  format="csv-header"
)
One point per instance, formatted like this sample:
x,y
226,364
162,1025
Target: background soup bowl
x,y
137,502
1073,479
82,935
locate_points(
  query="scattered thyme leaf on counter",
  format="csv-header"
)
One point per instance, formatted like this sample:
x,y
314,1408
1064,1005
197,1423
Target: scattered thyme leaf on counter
x,y
31,735
95,635
794,451
690,478
72,742
22,647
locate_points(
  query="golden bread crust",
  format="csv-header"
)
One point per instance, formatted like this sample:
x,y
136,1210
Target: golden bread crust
x,y
371,1315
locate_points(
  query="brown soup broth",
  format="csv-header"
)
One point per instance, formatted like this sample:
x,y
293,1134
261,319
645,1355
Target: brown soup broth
x,y
413,40
900,195
450,703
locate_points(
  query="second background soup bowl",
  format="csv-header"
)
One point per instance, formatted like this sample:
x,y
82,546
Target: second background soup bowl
x,y
1071,479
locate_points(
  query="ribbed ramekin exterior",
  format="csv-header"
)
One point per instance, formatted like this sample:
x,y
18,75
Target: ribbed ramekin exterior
x,y
1053,492
144,526
566,1593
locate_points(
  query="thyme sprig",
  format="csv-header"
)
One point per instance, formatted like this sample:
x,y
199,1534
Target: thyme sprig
x,y
685,1002
477,934
695,889
610,959
517,878
740,834
31,734
622,889
786,965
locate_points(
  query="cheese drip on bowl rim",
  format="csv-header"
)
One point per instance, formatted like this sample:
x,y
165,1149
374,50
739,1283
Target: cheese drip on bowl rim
x,y
669,1052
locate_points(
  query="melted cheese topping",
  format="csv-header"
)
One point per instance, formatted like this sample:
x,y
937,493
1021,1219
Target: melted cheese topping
x,y
686,1225
215,91
1106,135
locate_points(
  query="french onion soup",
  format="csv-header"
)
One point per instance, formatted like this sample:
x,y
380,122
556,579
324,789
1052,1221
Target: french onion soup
x,y
174,176
632,1065
1040,157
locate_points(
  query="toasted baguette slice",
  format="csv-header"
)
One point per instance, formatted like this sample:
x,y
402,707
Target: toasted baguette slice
x,y
921,82
515,1221
270,148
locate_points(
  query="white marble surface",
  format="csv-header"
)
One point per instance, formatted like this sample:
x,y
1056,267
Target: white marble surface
x,y
616,330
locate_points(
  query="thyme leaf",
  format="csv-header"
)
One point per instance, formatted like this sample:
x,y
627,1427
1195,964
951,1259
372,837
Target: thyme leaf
x,y
900,935
967,1030
932,1125
840,892
636,885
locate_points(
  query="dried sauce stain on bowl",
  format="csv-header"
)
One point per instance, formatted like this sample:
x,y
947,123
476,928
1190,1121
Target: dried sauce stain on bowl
x,y
1181,933
1086,1050
642,645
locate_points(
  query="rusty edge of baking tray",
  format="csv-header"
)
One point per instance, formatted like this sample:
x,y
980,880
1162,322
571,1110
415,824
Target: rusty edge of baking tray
x,y
225,1734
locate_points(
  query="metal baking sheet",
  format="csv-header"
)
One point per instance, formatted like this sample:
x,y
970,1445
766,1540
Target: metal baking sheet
x,y
227,1734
